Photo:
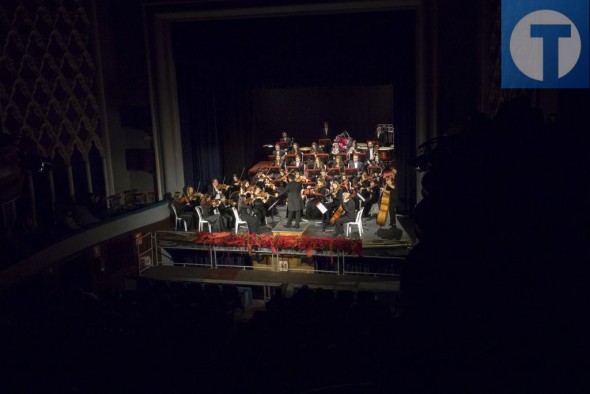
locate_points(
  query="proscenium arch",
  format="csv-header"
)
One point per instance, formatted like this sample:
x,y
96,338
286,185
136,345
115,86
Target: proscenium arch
x,y
158,20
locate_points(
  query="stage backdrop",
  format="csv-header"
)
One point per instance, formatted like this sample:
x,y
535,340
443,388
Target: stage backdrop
x,y
240,82
301,111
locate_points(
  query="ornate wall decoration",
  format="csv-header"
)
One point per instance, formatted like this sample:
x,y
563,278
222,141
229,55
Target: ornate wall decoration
x,y
48,76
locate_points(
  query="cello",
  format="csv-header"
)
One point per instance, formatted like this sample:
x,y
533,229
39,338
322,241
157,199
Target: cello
x,y
384,205
337,214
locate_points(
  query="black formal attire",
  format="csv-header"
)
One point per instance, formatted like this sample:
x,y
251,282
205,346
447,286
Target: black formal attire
x,y
326,132
211,217
393,203
213,192
227,216
311,210
294,202
349,215
331,202
372,197
247,215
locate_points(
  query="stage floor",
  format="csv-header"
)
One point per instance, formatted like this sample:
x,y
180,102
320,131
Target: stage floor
x,y
374,236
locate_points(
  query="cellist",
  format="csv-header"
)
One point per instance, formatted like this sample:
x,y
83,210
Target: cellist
x,y
349,214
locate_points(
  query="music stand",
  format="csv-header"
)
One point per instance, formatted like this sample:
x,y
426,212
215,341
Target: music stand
x,y
325,142
283,144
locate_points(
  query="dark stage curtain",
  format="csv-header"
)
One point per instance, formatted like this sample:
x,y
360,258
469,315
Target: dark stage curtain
x,y
216,127
222,66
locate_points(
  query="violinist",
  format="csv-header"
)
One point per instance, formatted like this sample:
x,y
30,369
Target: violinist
x,y
259,180
325,177
258,208
247,214
214,190
208,205
316,194
189,199
393,197
227,220
349,214
235,183
271,189
281,178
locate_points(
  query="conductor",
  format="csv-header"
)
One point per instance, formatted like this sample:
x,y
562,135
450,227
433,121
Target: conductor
x,y
294,201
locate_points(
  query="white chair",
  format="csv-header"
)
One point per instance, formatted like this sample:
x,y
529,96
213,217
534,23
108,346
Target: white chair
x,y
239,222
178,219
358,222
201,220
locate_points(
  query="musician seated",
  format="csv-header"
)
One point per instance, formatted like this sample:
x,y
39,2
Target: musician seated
x,y
258,205
315,148
355,163
332,201
247,214
297,163
278,162
316,164
295,150
227,219
348,214
259,179
213,189
315,195
278,151
189,199
210,213
337,163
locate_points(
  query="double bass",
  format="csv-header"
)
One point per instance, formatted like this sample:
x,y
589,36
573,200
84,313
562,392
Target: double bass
x,y
384,205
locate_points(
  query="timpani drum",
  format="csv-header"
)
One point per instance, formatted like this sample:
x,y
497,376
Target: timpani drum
x,y
305,149
385,153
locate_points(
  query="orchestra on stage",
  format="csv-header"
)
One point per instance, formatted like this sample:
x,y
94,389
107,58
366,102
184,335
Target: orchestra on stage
x,y
334,181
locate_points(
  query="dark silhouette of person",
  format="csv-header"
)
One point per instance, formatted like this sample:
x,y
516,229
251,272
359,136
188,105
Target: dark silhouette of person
x,y
294,201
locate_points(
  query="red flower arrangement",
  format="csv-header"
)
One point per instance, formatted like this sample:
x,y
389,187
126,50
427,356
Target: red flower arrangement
x,y
278,243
